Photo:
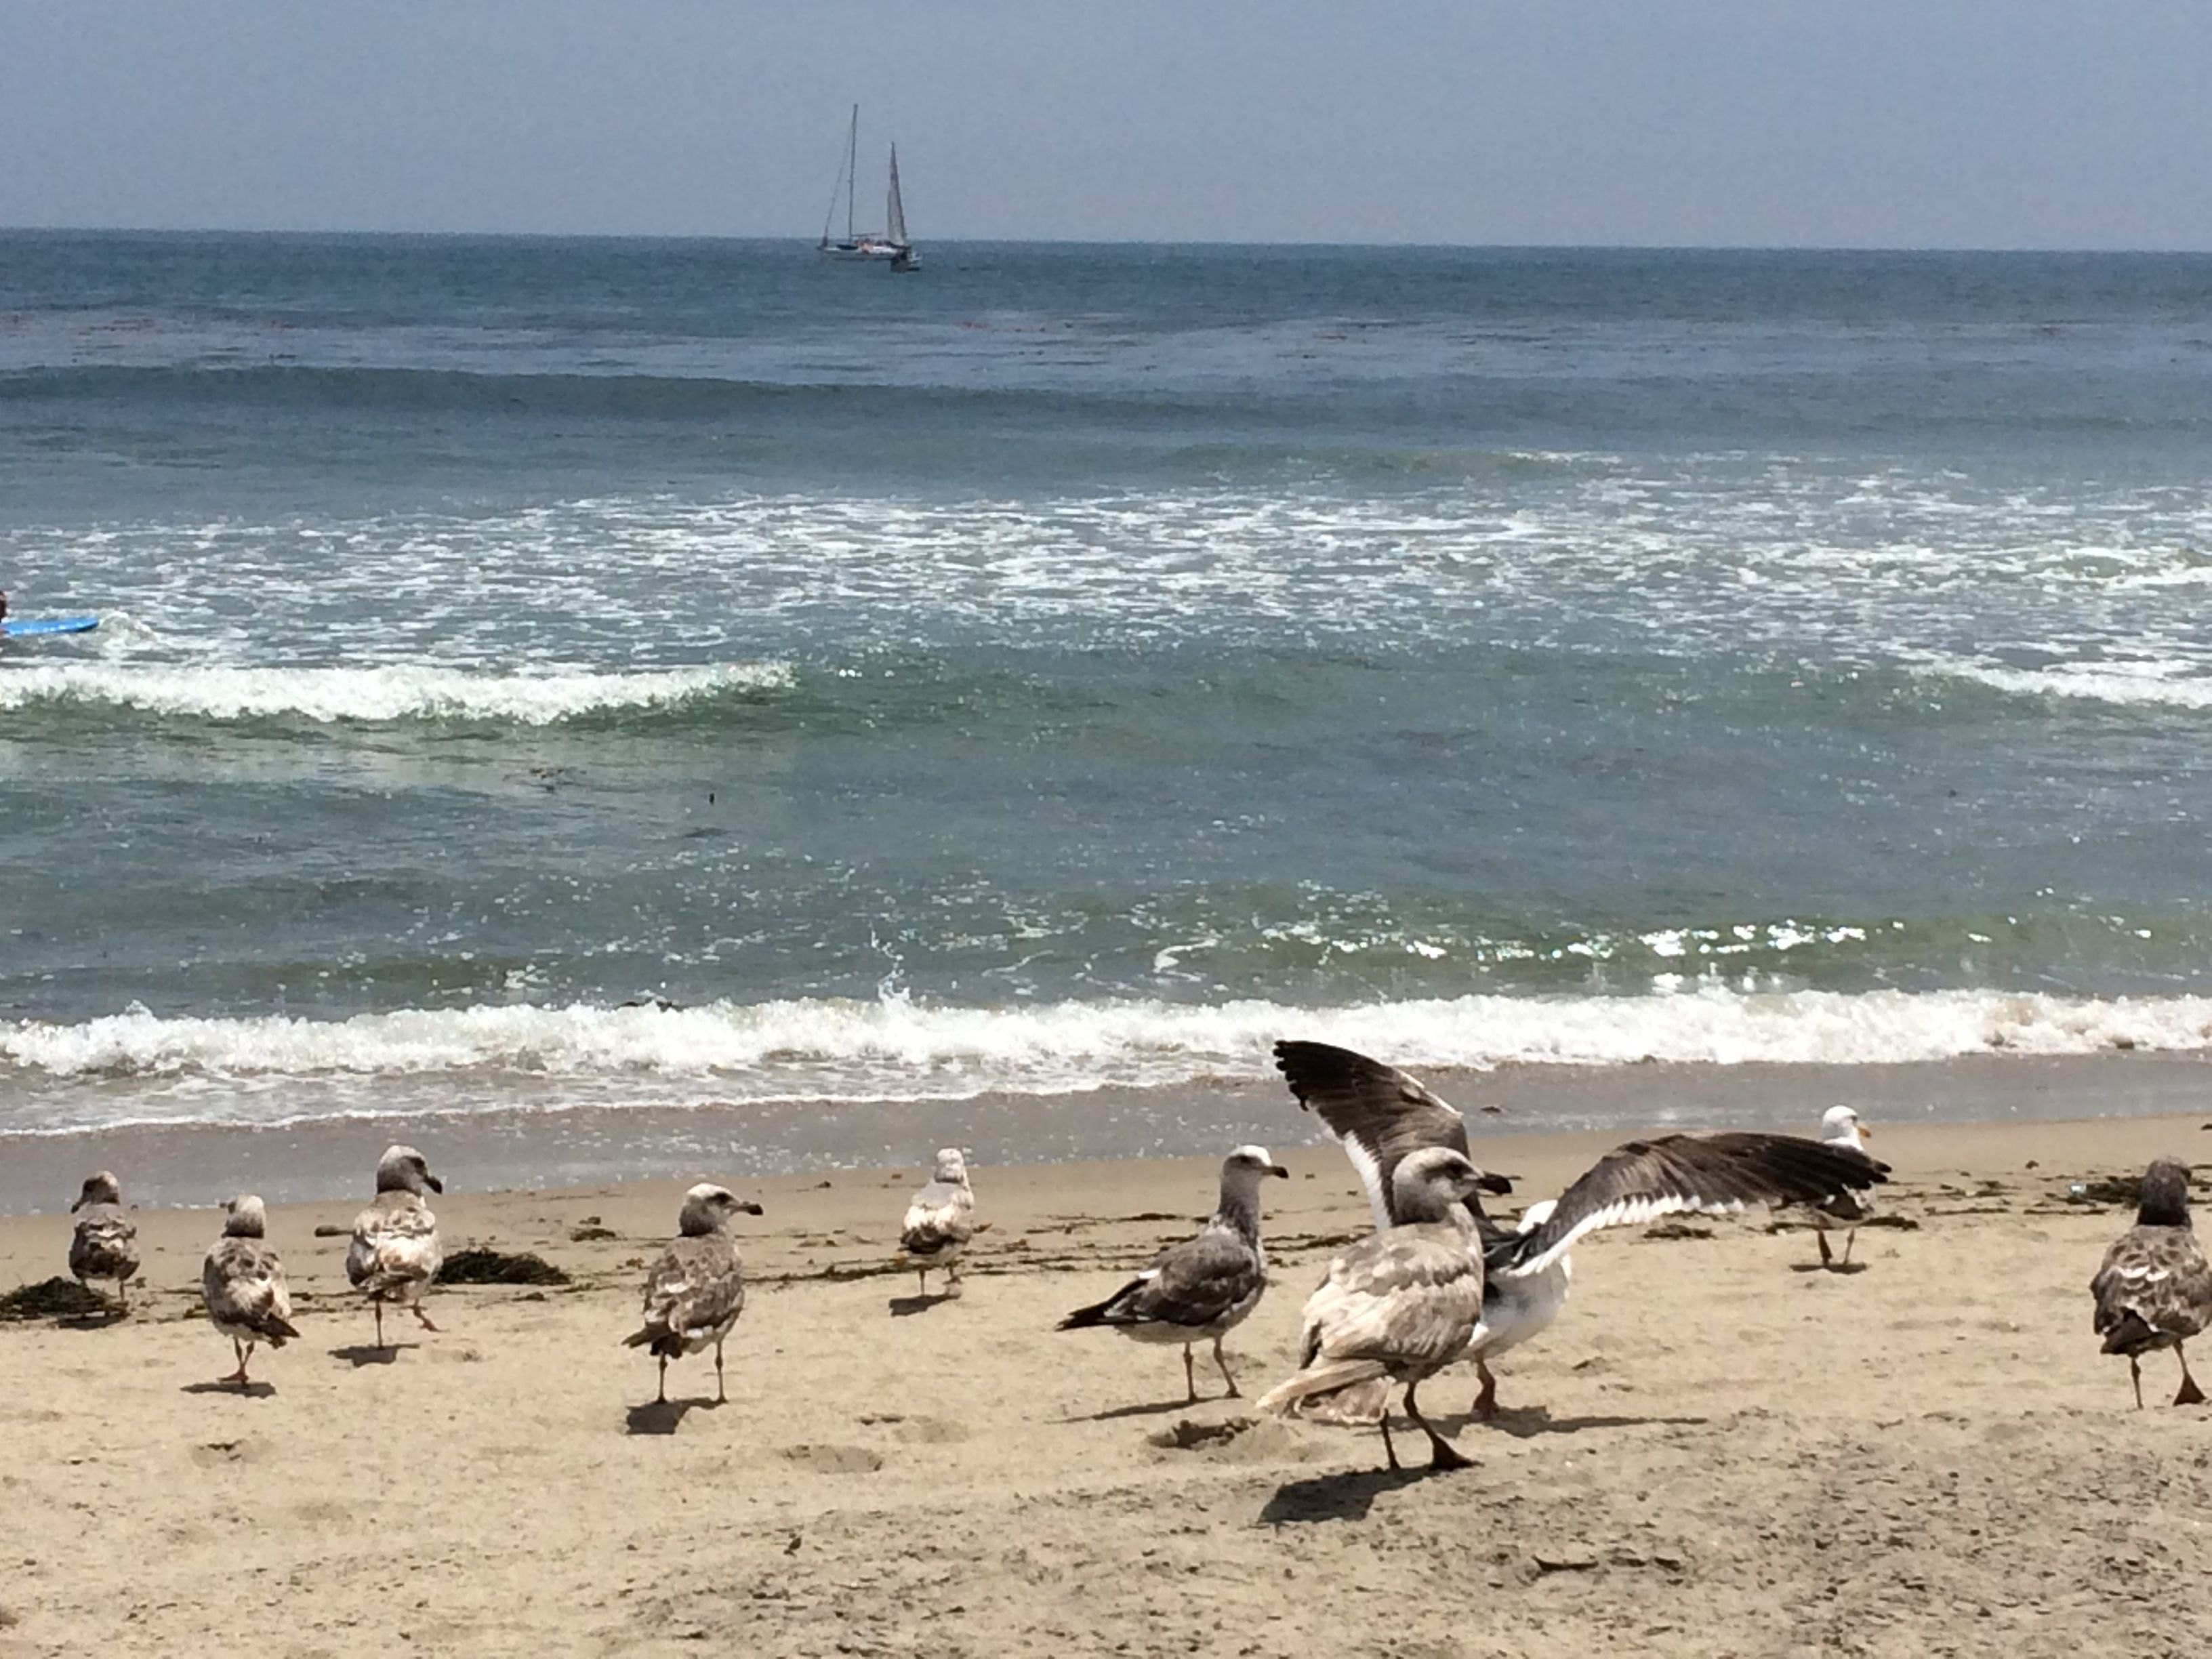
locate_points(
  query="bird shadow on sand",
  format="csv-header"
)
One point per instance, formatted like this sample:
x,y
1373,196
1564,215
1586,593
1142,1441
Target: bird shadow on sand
x,y
104,1320
661,1416
367,1353
249,1391
1828,1267
1526,1422
1149,1408
905,1306
1336,1497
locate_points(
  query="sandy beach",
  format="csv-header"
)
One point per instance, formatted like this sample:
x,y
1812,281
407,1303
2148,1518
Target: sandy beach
x,y
1715,1451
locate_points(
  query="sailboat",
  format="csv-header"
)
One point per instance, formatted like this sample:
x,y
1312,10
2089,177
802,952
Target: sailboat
x,y
891,243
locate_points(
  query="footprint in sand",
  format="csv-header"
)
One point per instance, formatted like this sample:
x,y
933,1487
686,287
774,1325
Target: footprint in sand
x,y
835,1460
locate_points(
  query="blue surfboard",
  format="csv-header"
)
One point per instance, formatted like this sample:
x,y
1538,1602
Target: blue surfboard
x,y
24,628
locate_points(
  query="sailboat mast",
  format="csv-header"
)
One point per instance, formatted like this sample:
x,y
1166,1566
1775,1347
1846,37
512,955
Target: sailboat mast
x,y
852,168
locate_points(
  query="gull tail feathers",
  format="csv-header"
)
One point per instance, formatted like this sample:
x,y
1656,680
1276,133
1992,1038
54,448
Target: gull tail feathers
x,y
1302,1395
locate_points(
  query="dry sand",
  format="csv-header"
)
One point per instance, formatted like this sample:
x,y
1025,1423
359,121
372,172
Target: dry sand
x,y
1714,1451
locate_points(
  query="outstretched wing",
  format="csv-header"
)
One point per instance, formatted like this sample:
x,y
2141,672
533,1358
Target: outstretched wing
x,y
1669,1174
1381,1115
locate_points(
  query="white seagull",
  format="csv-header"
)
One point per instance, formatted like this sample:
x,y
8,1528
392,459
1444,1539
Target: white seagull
x,y
1840,1126
243,1285
695,1291
940,1221
1205,1285
1381,1116
394,1254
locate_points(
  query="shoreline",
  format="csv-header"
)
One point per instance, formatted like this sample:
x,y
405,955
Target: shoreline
x,y
199,1164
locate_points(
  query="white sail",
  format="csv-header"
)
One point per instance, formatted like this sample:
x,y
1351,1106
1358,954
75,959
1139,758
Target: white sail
x,y
894,210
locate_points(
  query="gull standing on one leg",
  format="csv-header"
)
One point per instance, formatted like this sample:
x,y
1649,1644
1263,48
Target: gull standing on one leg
x,y
2154,1288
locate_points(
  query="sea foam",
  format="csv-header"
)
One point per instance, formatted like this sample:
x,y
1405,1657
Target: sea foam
x,y
389,693
896,1048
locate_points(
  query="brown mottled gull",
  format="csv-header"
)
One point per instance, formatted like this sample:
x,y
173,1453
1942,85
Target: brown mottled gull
x,y
1205,1285
1400,1305
695,1291
2154,1289
940,1221
394,1254
243,1284
106,1243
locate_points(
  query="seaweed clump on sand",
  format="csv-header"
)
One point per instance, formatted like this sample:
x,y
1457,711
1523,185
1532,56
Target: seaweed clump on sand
x,y
482,1266
52,1299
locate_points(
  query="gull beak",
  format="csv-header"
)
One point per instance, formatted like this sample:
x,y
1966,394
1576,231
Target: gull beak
x,y
83,1199
434,1183
751,1208
1502,1185
1278,1169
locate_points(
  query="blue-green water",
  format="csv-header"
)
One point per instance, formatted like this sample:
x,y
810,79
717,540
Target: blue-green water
x,y
1080,664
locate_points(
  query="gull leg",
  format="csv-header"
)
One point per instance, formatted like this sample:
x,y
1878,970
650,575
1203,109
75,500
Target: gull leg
x,y
2134,1375
1189,1376
1820,1238
1850,1239
123,1293
1486,1403
238,1376
2191,1395
663,1398
721,1397
422,1318
1389,1451
1226,1377
924,1273
377,1304
952,1278
1443,1454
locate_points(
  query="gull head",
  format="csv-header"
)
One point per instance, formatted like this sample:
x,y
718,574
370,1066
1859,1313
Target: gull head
x,y
101,1187
707,1209
244,1217
1427,1183
951,1166
404,1169
1840,1126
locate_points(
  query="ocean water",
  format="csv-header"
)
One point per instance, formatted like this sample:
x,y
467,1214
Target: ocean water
x,y
556,673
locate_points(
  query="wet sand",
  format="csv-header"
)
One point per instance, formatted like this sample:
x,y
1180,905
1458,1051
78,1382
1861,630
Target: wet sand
x,y
1715,1451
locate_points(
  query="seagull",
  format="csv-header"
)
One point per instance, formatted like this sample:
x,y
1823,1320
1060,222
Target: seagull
x,y
1381,1115
394,1253
695,1291
106,1243
1204,1286
243,1284
2154,1289
1400,1305
1840,1126
940,1221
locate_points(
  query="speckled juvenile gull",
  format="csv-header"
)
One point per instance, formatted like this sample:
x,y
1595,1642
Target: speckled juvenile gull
x,y
394,1254
242,1282
695,1292
1383,1117
940,1221
1400,1305
104,1244
1205,1286
2154,1289
1840,1126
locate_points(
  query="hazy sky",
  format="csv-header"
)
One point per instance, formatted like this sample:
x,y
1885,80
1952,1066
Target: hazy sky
x,y
1885,122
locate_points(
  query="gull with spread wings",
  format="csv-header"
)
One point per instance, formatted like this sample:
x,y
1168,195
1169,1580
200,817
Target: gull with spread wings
x,y
1381,1116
